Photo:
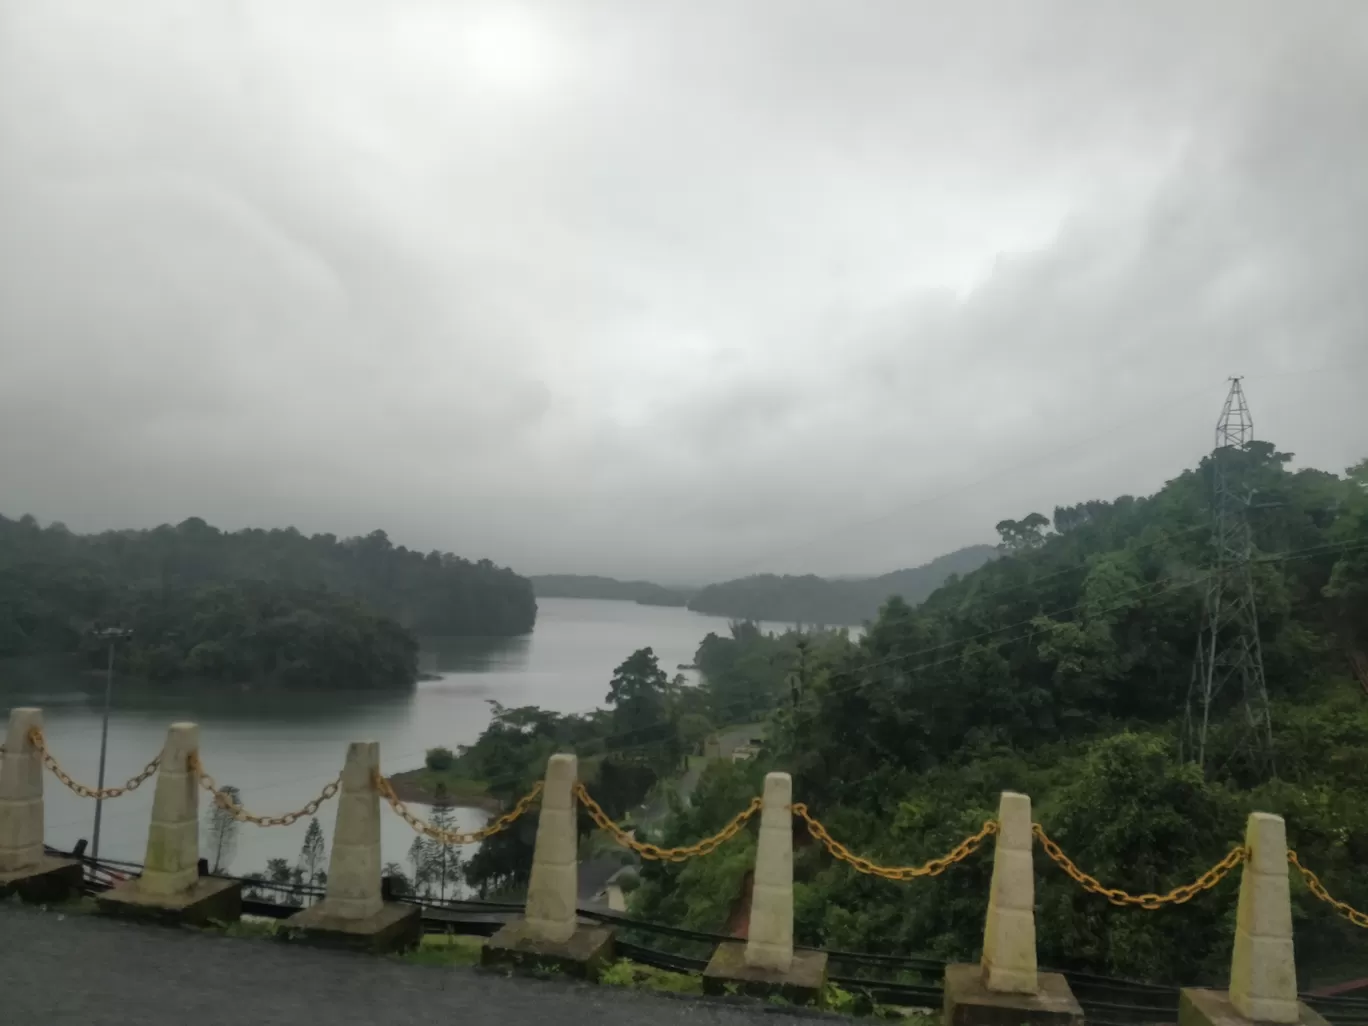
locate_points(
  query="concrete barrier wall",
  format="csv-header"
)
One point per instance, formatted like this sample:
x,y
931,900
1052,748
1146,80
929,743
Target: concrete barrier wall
x,y
1263,970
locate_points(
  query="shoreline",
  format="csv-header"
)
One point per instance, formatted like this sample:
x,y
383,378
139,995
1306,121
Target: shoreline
x,y
411,787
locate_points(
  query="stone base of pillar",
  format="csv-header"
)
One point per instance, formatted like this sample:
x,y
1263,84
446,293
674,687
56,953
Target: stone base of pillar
x,y
803,984
396,927
1201,1007
969,1003
584,955
209,901
50,882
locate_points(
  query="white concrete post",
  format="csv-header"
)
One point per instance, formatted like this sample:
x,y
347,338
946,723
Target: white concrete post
x,y
553,890
769,941
21,794
354,868
1009,943
1263,972
172,862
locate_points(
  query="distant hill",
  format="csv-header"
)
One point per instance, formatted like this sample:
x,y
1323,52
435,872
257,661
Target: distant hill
x,y
820,600
589,586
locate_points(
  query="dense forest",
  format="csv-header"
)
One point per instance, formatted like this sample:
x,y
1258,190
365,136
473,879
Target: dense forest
x,y
247,606
821,600
592,587
1060,669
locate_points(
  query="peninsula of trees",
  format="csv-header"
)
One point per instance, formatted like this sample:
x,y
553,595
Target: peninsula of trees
x,y
255,606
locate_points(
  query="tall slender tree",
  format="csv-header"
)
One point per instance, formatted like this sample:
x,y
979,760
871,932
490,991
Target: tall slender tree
x,y
221,830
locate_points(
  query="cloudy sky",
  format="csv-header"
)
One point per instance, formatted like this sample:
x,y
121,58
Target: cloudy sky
x,y
682,290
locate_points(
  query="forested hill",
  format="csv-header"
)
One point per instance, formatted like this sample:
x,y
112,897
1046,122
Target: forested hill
x,y
820,600
593,587
1062,670
192,585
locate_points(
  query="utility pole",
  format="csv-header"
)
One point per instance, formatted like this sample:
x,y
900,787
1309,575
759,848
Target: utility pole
x,y
1228,657
112,635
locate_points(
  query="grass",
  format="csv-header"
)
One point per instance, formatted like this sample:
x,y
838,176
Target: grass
x,y
450,949
629,974
251,926
461,950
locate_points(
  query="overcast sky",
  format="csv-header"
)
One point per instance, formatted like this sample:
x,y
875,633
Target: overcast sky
x,y
678,290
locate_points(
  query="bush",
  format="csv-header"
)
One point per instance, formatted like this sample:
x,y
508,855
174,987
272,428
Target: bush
x,y
440,759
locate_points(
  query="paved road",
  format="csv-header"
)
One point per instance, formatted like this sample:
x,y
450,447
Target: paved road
x,y
57,969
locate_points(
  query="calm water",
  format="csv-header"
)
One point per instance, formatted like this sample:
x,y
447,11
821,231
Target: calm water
x,y
280,752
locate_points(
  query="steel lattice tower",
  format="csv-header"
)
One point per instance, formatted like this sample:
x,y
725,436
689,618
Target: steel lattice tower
x,y
1227,670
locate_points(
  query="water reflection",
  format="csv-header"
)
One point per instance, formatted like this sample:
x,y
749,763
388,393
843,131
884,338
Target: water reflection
x,y
474,655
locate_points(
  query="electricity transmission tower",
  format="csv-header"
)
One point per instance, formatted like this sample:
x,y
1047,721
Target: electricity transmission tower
x,y
1227,670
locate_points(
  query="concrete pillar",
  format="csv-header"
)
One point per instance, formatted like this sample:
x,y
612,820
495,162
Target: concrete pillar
x,y
353,914
1263,973
21,794
1009,943
1006,986
769,941
25,869
553,890
354,868
171,865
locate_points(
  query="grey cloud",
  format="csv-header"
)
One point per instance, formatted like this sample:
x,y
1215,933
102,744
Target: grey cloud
x,y
728,288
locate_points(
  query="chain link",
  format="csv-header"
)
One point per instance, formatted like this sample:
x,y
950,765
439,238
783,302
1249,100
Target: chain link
x,y
225,801
499,825
1177,896
935,867
1317,888
651,851
98,793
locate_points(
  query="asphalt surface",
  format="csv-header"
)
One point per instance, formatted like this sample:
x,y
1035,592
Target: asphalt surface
x,y
60,968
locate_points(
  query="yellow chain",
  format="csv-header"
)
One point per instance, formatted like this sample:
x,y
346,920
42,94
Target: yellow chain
x,y
935,867
1177,896
382,785
225,801
651,851
1317,888
36,736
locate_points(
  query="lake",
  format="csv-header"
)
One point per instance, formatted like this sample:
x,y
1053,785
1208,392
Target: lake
x,y
281,750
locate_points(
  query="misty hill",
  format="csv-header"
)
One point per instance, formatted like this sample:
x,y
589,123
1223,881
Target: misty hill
x,y
590,586
822,600
248,605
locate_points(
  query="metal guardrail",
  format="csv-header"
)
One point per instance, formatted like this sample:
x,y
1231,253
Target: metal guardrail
x,y
1106,1001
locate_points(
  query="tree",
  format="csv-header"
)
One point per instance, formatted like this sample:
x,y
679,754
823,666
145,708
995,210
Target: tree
x,y
221,830
313,853
1022,535
643,712
439,759
444,862
420,858
638,691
